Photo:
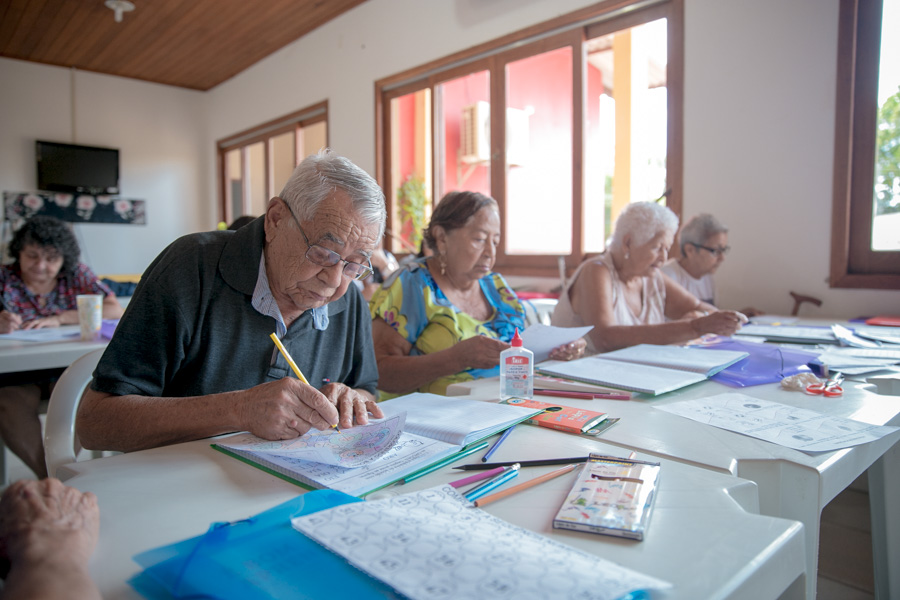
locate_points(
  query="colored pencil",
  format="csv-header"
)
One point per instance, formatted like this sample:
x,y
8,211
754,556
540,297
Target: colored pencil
x,y
293,365
477,477
523,463
523,486
496,445
584,395
445,462
492,484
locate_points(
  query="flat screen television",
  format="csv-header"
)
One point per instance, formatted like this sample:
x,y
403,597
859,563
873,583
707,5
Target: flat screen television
x,y
77,169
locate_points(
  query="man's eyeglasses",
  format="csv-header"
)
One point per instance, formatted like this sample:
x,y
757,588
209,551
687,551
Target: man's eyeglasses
x,y
717,252
324,257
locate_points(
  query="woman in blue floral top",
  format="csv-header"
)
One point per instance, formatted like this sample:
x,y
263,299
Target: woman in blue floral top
x,y
38,290
446,318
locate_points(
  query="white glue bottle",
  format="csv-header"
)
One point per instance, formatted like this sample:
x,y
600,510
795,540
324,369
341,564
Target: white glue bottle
x,y
516,371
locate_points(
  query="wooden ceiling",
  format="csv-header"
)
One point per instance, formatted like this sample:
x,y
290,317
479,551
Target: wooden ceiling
x,y
195,44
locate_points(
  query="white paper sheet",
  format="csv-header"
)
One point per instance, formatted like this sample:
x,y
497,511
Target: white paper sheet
x,y
350,448
45,334
541,339
780,424
432,544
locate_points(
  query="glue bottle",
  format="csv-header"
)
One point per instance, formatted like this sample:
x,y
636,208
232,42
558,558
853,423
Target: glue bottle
x,y
516,370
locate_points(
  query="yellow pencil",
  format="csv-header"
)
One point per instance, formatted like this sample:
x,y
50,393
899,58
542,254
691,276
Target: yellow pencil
x,y
517,488
293,365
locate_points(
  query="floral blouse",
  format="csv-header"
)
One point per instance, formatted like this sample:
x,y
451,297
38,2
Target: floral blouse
x,y
19,299
414,305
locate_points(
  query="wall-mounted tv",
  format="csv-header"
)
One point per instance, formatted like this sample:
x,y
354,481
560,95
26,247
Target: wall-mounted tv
x,y
77,169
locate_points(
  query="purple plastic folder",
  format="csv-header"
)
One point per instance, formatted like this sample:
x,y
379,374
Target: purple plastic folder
x,y
767,363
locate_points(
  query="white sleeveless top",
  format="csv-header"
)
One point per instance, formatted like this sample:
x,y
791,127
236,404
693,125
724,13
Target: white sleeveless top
x,y
653,292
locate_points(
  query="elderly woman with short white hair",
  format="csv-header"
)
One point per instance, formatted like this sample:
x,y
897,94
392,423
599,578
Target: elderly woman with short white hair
x,y
626,297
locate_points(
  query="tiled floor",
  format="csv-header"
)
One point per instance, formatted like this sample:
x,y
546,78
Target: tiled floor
x,y
845,548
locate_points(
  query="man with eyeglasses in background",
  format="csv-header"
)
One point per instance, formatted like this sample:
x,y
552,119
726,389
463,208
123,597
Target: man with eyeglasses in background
x,y
703,244
192,356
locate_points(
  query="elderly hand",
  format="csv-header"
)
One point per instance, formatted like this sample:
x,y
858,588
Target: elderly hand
x,y
479,352
285,409
9,321
46,522
569,351
722,322
352,404
42,322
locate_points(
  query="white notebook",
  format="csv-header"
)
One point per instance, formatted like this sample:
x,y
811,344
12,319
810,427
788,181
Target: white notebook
x,y
625,376
682,358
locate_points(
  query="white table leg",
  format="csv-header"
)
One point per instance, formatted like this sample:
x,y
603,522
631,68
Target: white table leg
x,y
884,495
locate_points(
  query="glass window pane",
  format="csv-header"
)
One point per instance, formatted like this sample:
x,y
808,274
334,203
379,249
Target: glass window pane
x,y
625,125
411,171
234,184
311,139
256,178
539,154
281,160
464,134
886,213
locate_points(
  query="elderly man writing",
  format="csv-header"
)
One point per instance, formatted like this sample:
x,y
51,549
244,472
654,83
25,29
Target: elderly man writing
x,y
192,356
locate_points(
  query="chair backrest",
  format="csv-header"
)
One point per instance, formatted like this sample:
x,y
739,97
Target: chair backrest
x,y
59,430
539,310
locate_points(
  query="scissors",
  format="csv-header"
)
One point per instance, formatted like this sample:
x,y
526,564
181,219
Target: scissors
x,y
830,389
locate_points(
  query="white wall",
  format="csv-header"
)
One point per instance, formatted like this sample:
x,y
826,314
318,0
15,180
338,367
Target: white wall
x,y
161,139
759,126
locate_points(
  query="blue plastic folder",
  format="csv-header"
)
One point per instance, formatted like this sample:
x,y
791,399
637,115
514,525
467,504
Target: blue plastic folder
x,y
767,363
260,558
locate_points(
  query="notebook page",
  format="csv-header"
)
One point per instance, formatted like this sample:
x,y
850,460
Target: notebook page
x,y
698,360
627,376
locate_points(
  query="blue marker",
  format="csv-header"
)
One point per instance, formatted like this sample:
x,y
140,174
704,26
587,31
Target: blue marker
x,y
493,483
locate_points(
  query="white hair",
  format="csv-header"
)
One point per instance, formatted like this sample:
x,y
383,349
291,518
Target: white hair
x,y
319,175
643,221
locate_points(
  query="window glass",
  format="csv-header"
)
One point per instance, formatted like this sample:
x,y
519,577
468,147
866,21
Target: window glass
x,y
281,161
257,177
409,198
234,183
539,154
464,123
625,125
886,214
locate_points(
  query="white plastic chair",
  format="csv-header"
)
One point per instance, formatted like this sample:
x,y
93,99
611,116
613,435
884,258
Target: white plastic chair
x,y
59,430
539,310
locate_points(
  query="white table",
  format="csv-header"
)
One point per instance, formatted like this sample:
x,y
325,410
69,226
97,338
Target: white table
x,y
792,484
704,535
19,355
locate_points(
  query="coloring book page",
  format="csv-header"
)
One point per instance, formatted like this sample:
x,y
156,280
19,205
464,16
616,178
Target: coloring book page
x,y
433,544
349,448
781,424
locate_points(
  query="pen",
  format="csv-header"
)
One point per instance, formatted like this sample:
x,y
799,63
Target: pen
x,y
493,483
496,445
522,486
477,477
523,463
445,462
584,395
293,365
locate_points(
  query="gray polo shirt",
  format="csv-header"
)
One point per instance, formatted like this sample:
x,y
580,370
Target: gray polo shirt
x,y
190,328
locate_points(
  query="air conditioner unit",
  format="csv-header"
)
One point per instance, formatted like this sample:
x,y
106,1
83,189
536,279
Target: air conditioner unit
x,y
475,134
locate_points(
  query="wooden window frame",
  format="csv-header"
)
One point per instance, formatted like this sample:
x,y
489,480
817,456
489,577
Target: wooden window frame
x,y
265,132
853,263
571,29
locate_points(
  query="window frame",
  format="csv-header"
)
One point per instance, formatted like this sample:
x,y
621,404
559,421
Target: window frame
x,y
572,29
293,122
853,263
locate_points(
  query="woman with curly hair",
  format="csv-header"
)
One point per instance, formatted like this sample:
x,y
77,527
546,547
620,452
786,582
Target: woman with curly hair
x,y
39,289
